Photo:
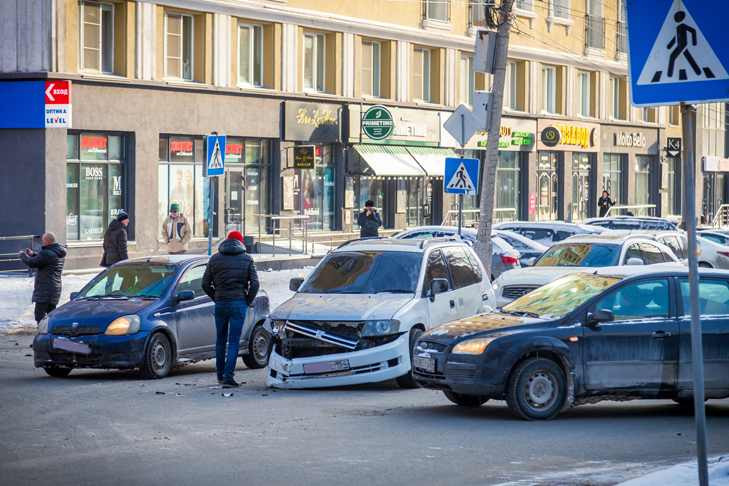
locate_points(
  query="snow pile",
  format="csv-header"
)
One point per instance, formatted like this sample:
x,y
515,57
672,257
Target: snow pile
x,y
16,308
686,474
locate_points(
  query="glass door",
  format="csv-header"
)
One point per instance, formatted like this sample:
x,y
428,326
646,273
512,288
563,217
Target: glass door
x,y
581,187
234,197
547,187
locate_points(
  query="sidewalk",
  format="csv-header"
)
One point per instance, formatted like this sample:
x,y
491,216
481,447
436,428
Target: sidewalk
x,y
685,474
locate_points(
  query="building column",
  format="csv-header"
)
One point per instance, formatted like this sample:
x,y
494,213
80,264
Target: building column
x,y
348,65
403,71
221,49
288,58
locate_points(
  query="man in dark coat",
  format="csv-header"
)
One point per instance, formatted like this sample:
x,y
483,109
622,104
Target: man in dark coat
x,y
231,280
369,221
48,263
115,240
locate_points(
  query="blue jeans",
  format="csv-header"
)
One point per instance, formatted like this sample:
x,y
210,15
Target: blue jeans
x,y
229,318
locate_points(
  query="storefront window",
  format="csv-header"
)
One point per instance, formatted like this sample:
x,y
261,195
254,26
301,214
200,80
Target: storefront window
x,y
547,186
581,187
612,176
642,182
368,188
94,184
507,187
246,185
181,181
411,198
311,191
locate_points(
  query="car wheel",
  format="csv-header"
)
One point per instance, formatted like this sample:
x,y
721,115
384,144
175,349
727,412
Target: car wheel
x,y
472,401
157,358
57,371
407,380
537,389
259,347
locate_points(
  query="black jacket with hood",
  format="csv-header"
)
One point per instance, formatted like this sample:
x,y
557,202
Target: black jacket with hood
x,y
49,265
115,244
231,274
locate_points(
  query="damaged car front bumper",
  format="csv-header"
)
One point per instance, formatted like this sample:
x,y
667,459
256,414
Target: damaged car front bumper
x,y
90,351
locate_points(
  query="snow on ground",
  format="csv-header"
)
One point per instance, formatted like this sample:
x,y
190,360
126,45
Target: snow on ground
x,y
685,474
16,308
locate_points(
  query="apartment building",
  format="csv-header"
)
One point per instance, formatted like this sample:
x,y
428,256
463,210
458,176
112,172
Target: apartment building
x,y
151,78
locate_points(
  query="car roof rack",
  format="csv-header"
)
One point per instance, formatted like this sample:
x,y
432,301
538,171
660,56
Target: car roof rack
x,y
366,238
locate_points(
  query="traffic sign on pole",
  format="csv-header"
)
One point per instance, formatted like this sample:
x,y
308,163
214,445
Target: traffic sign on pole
x,y
678,51
461,176
215,159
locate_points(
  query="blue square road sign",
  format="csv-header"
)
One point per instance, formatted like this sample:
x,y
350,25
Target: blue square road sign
x,y
215,156
461,176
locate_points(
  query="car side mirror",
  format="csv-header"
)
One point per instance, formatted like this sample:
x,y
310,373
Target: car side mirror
x,y
437,286
74,295
295,283
600,315
184,295
635,261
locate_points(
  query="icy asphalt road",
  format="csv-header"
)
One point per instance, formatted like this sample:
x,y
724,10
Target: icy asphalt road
x,y
110,428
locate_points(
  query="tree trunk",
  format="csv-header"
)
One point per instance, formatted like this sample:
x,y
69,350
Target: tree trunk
x,y
488,173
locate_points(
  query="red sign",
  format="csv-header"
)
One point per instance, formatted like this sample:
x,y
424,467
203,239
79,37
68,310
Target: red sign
x,y
532,203
93,143
58,92
233,150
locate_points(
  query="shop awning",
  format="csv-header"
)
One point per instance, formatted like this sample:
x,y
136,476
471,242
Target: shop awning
x,y
389,160
432,159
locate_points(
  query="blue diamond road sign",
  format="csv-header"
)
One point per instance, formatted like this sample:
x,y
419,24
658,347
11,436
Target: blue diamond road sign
x,y
678,51
215,158
461,176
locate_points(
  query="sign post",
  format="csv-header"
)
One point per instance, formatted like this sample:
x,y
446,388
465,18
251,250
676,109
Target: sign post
x,y
461,177
678,54
214,167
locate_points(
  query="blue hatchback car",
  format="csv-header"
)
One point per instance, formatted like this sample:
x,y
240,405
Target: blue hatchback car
x,y
148,313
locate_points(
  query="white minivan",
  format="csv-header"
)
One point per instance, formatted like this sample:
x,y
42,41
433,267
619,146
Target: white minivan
x,y
356,317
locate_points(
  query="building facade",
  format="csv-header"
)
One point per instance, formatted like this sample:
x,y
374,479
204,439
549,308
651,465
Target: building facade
x,y
151,78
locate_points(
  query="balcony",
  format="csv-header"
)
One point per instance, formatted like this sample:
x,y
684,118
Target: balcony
x,y
621,38
594,33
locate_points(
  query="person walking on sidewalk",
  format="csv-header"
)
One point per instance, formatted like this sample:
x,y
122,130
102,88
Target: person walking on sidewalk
x,y
369,221
231,280
176,231
604,203
115,240
49,265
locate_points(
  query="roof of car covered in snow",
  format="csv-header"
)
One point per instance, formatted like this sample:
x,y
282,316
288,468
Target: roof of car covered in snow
x,y
392,244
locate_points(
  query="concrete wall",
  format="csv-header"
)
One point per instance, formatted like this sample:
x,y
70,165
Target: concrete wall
x,y
26,35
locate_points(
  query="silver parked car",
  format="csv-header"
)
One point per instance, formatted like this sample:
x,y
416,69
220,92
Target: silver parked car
x,y
548,232
504,256
713,247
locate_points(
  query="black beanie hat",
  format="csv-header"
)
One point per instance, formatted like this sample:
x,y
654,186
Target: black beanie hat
x,y
122,215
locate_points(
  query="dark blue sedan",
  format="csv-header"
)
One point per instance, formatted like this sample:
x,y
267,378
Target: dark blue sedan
x,y
150,314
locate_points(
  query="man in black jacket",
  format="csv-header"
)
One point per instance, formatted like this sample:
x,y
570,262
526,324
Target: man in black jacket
x,y
230,279
49,265
369,221
115,240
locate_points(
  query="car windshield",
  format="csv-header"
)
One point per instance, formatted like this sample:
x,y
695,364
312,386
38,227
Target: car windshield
x,y
580,255
131,280
559,298
366,272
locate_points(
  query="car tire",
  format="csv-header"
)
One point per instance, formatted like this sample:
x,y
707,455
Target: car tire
x,y
259,348
408,380
471,401
158,357
57,371
537,389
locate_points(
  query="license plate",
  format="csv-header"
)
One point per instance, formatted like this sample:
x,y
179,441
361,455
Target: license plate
x,y
427,364
326,367
71,346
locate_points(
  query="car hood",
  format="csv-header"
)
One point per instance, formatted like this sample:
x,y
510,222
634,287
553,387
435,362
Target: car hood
x,y
92,316
344,307
537,275
480,324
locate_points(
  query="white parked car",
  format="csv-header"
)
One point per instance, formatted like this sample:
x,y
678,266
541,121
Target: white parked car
x,y
548,232
356,317
579,254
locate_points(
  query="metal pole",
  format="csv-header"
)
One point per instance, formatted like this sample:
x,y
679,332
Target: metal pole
x,y
210,214
688,115
460,196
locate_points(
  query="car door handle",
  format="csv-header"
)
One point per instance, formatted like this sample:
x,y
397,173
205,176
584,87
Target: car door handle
x,y
453,304
660,334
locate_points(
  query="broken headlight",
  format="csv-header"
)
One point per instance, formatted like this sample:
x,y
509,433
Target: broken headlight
x,y
277,327
381,327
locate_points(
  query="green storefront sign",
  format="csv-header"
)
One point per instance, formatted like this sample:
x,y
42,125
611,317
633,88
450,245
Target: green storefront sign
x,y
377,123
510,138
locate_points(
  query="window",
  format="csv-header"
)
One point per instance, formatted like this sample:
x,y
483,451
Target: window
x,y
181,181
619,96
421,74
648,115
246,184
594,25
525,5
652,254
587,94
95,189
192,280
675,245
97,37
549,89
560,9
477,13
715,238
371,68
508,182
438,10
468,80
436,269
642,179
250,55
179,46
674,115
647,298
713,297
314,62
612,176
515,85
621,34
580,255
461,268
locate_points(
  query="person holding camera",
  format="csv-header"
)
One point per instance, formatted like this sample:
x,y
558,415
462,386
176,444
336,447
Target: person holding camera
x,y
369,221
48,263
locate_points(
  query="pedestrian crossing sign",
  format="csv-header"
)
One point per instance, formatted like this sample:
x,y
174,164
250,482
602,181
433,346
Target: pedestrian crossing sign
x,y
461,176
215,160
677,51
